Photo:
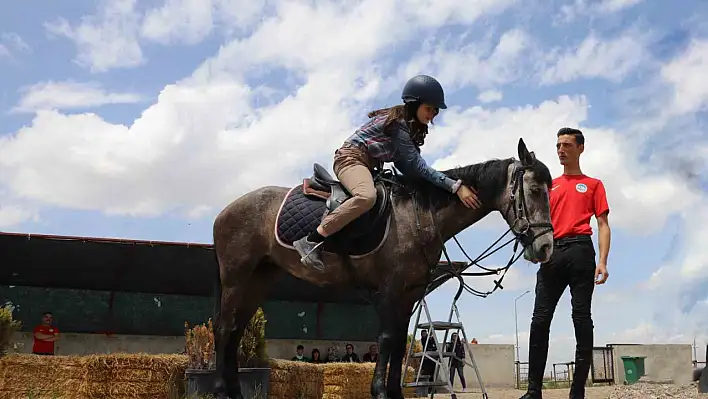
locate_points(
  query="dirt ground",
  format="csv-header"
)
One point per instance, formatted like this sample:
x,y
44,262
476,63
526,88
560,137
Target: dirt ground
x,y
561,393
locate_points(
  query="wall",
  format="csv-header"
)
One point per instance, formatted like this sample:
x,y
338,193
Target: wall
x,y
671,361
495,363
84,344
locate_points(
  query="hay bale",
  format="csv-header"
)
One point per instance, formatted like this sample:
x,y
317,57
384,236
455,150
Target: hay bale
x,y
295,380
37,376
347,380
94,376
353,380
132,375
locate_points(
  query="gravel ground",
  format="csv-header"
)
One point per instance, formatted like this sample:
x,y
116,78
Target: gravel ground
x,y
640,390
656,391
496,393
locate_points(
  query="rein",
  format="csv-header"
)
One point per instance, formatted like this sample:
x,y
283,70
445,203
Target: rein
x,y
517,198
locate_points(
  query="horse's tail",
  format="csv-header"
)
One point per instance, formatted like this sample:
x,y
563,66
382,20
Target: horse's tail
x,y
217,287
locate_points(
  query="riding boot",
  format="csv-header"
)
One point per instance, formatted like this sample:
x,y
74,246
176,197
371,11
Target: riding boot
x,y
310,253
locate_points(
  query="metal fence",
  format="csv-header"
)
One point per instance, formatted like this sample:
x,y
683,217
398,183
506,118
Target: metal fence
x,y
521,371
603,365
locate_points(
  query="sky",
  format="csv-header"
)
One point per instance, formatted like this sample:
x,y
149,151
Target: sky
x,y
142,121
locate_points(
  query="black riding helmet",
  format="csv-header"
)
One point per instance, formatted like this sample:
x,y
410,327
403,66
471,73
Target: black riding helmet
x,y
424,89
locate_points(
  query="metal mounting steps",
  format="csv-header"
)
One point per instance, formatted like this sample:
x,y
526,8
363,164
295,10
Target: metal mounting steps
x,y
437,355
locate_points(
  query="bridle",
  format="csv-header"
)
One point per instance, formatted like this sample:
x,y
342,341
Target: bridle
x,y
521,213
520,228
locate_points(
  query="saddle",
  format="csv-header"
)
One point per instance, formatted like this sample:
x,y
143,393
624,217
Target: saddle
x,y
324,186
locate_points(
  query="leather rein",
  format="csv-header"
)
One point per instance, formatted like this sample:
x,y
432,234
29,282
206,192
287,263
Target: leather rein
x,y
521,229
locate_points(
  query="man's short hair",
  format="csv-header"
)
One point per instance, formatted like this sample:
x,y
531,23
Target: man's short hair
x,y
300,347
569,131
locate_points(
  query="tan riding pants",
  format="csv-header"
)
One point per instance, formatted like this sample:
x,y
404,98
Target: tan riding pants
x,y
351,166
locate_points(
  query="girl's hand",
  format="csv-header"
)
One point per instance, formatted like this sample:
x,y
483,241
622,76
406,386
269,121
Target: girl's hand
x,y
468,196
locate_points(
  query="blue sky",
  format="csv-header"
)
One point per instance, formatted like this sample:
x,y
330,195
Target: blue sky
x,y
142,121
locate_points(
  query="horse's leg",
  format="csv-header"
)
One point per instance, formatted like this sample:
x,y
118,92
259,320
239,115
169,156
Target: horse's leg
x,y
398,351
239,303
387,314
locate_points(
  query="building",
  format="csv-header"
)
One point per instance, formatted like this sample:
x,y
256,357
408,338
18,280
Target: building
x,y
112,295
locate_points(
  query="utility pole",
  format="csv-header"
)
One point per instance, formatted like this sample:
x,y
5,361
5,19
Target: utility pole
x,y
516,323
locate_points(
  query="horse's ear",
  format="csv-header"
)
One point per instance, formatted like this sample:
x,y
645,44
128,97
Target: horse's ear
x,y
525,156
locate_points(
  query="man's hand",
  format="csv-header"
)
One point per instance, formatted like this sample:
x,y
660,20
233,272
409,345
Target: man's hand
x,y
601,270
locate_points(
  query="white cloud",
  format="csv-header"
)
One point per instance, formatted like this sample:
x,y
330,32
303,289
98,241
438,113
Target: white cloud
x,y
596,57
188,21
4,52
685,75
69,95
13,215
479,63
191,21
489,96
14,40
110,39
610,6
107,40
600,9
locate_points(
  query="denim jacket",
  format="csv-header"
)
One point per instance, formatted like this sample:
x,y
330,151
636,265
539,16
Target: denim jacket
x,y
399,149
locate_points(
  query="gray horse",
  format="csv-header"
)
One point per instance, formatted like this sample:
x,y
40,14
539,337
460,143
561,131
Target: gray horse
x,y
391,250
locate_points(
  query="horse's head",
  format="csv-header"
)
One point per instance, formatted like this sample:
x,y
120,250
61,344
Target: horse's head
x,y
525,205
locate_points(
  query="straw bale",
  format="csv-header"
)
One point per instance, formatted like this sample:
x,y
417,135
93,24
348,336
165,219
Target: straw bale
x,y
353,380
294,380
93,376
134,367
41,376
132,375
347,380
125,390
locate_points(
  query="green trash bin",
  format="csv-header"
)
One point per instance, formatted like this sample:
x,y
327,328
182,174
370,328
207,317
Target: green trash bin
x,y
633,368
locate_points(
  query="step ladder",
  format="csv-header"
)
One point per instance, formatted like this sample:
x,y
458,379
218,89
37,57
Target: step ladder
x,y
438,355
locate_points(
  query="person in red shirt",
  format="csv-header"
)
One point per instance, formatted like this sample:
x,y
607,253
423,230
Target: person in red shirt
x,y
45,335
575,198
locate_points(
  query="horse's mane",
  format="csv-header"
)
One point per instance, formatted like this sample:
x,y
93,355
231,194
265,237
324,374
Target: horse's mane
x,y
489,178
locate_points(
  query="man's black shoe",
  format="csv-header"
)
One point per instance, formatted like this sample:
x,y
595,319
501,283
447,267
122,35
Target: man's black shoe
x,y
529,395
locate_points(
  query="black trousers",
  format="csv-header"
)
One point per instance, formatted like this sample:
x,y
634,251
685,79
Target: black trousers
x,y
460,369
571,265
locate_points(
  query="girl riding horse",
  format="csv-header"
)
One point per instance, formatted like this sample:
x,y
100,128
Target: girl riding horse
x,y
392,134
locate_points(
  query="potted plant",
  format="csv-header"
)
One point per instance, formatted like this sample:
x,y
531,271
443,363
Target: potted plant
x,y
8,326
254,370
199,348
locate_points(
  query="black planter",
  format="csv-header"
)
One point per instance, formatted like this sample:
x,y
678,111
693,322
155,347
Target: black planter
x,y
199,381
254,382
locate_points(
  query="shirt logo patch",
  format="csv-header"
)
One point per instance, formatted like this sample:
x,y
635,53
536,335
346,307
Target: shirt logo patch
x,y
581,188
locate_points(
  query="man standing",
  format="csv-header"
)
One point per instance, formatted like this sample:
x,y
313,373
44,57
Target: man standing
x,y
45,335
574,199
